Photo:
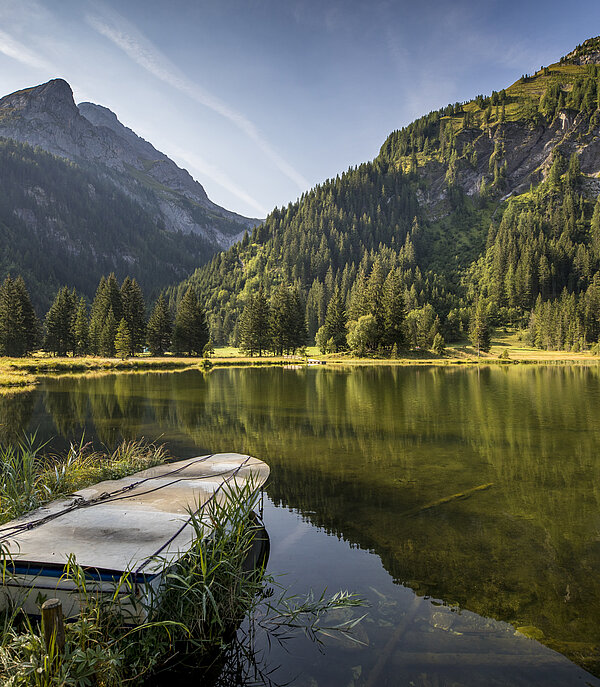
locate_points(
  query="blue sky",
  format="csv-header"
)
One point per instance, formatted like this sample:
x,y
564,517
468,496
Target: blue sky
x,y
262,99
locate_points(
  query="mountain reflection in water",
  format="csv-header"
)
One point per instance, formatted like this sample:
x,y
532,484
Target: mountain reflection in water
x,y
478,488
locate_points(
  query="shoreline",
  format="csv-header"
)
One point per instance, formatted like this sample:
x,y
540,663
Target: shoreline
x,y
24,374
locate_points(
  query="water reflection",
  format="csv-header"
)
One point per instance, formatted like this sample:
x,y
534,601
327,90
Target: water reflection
x,y
380,456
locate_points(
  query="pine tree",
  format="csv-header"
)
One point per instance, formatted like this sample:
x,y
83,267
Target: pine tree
x,y
159,327
81,329
190,333
59,323
134,312
123,339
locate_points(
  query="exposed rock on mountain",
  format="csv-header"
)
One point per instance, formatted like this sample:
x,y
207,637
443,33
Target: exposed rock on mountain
x,y
46,116
491,200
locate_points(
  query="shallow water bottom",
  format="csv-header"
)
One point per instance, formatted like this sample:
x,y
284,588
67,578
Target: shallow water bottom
x,y
404,639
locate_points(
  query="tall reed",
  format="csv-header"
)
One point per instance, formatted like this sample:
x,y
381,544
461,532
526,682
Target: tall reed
x,y
29,477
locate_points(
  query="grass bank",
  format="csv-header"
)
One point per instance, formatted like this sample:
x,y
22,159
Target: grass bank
x,y
29,478
24,373
194,620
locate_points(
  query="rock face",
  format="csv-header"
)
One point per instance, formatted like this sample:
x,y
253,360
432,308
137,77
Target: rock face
x,y
586,53
47,116
527,152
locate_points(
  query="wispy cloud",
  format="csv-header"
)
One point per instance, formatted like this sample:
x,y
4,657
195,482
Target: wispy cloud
x,y
199,165
16,50
142,51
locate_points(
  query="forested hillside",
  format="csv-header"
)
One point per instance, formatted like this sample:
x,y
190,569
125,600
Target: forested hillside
x,y
492,201
63,224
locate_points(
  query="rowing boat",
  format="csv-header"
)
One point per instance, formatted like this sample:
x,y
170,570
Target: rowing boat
x,y
123,534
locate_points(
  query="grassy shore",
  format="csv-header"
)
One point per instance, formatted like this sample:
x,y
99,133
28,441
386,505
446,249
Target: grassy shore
x,y
24,373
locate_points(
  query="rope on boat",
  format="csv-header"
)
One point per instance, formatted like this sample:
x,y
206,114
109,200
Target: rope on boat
x,y
192,516
109,497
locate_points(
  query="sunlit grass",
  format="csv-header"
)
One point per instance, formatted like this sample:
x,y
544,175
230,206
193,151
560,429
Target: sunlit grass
x,y
29,477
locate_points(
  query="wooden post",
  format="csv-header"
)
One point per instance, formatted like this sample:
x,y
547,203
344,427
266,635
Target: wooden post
x,y
53,626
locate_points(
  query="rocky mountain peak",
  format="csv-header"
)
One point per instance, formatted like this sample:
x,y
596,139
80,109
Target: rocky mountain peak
x,y
52,98
47,116
586,53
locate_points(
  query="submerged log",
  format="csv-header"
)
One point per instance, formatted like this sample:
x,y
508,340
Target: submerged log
x,y
375,674
406,659
447,499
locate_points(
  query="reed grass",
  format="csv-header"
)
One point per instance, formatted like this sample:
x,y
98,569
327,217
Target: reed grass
x,y
29,477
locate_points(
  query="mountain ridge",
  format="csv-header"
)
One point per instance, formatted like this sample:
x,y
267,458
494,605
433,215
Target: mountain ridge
x,y
492,198
47,116
83,196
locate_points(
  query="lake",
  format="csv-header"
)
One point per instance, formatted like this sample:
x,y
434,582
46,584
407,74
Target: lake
x,y
462,503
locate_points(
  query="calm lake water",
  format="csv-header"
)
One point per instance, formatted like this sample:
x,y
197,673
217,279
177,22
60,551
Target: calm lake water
x,y
461,503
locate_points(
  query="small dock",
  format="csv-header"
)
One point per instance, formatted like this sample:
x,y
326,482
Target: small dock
x,y
136,527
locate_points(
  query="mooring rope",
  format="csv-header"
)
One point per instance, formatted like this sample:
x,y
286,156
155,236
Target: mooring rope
x,y
109,497
192,516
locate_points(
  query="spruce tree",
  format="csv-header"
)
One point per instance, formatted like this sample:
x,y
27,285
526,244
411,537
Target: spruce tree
x,y
394,312
12,322
595,231
260,322
160,327
134,312
97,317
31,324
479,330
59,323
254,325
190,334
280,320
108,297
439,345
334,329
108,334
123,339
298,329
81,329
245,338
112,296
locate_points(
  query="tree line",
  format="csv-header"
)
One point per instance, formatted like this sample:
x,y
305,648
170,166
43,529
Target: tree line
x,y
115,325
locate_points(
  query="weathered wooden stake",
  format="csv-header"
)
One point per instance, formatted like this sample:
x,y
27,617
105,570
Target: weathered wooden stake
x,y
53,625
